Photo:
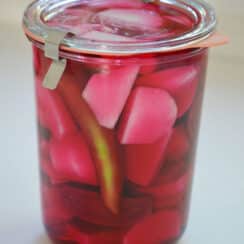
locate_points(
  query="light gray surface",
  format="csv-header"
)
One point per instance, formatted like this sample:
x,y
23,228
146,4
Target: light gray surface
x,y
217,213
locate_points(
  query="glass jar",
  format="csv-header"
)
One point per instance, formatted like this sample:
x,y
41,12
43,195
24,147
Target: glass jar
x,y
119,96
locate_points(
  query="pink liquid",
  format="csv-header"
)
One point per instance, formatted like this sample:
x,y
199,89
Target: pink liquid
x,y
117,146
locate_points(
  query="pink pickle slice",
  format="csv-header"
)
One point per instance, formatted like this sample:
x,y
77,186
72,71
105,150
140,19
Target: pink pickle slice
x,y
106,93
130,18
46,164
149,115
104,36
53,210
180,82
172,191
178,145
53,113
170,186
173,182
161,226
72,160
160,203
88,206
143,161
54,177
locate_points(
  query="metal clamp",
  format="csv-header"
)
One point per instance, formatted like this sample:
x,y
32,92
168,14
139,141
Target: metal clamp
x,y
57,67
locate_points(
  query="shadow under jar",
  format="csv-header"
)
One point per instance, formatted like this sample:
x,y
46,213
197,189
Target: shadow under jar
x,y
119,101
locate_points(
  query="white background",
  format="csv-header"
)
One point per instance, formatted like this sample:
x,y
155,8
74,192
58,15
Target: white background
x,y
217,213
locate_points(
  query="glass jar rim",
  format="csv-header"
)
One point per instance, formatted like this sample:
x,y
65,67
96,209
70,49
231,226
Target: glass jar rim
x,y
140,59
202,12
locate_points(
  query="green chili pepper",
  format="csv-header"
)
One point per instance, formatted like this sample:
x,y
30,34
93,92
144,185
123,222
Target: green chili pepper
x,y
102,142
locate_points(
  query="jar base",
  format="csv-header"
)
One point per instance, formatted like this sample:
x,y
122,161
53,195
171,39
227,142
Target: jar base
x,y
54,239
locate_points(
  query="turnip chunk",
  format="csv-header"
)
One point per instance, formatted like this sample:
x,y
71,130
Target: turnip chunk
x,y
149,115
144,161
180,82
106,93
71,159
161,226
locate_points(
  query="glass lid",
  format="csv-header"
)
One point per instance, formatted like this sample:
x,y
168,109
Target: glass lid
x,y
120,27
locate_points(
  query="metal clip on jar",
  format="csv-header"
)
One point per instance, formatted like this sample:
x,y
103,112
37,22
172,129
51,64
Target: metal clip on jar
x,y
119,88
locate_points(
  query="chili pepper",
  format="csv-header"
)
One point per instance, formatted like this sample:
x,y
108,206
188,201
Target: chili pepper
x,y
102,142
